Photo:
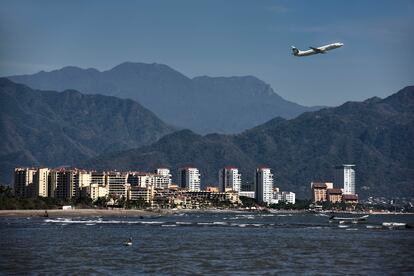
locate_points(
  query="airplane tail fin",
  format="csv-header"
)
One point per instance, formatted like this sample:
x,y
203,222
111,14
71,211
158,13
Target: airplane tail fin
x,y
295,50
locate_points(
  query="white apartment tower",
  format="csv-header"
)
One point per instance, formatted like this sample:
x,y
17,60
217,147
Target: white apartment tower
x,y
229,179
166,174
189,178
264,185
345,177
41,183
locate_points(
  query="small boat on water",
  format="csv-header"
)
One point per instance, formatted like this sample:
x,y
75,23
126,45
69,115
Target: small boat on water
x,y
128,242
342,220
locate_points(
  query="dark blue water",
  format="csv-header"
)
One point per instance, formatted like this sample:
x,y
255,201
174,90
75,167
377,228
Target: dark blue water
x,y
206,244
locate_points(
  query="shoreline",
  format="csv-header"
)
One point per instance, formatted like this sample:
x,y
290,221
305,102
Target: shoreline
x,y
157,212
76,213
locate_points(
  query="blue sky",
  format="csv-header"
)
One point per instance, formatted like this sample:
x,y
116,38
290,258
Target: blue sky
x,y
222,38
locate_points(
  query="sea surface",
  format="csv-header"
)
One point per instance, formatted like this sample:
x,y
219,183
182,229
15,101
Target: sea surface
x,y
206,244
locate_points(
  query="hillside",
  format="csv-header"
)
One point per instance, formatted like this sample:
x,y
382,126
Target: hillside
x,y
202,104
51,129
376,135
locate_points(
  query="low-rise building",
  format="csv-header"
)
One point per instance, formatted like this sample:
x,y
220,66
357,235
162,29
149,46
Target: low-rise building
x,y
334,195
96,191
212,189
350,199
145,193
250,194
319,190
287,197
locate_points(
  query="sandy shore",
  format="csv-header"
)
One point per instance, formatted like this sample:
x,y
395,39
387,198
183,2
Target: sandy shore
x,y
76,213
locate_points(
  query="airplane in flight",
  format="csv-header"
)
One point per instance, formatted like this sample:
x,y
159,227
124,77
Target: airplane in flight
x,y
314,50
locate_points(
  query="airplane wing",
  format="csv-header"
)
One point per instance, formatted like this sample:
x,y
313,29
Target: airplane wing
x,y
317,50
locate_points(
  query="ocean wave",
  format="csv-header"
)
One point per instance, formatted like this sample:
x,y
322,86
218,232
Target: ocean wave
x,y
183,223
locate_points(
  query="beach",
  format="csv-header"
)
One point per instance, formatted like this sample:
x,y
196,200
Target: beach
x,y
76,213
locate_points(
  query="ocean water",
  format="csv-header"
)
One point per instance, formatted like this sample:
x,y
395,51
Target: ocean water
x,y
206,244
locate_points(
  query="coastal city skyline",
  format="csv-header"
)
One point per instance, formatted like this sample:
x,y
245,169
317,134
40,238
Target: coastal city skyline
x,y
68,183
156,137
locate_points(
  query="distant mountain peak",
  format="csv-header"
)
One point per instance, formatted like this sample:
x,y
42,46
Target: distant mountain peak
x,y
203,104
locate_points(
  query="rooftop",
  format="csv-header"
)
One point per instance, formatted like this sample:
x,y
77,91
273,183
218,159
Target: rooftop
x,y
350,197
334,191
319,185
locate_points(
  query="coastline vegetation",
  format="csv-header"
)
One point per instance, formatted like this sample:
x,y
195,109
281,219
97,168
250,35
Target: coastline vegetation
x,y
9,202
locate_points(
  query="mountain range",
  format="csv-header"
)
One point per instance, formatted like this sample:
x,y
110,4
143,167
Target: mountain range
x,y
202,104
47,128
376,135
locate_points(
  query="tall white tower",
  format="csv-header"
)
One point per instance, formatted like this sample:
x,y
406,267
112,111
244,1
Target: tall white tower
x,y
189,178
229,179
345,177
264,185
166,176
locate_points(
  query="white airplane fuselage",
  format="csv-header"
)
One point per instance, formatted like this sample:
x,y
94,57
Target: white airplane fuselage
x,y
314,50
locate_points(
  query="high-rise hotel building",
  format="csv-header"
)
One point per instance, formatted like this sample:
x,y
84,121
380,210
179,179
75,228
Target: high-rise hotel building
x,y
345,177
23,181
41,183
189,178
117,183
229,179
63,184
264,185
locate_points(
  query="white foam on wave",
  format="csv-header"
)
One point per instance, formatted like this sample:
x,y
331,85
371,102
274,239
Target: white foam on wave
x,y
205,223
239,224
220,223
151,222
183,223
99,221
374,227
168,225
245,216
314,227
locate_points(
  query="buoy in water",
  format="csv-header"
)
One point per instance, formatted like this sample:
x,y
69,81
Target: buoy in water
x,y
128,242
